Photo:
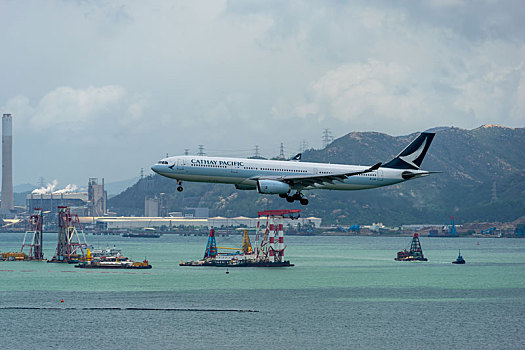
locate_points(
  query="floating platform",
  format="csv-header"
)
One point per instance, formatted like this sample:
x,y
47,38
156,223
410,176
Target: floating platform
x,y
409,258
414,254
73,259
269,253
17,256
13,256
259,264
97,266
236,263
197,263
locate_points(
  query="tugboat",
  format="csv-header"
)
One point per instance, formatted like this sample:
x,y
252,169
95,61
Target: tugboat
x,y
414,254
460,259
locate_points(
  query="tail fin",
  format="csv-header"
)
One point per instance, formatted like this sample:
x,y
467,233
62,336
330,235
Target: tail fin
x,y
412,156
297,157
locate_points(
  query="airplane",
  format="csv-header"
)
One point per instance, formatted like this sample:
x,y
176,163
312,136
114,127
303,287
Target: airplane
x,y
284,177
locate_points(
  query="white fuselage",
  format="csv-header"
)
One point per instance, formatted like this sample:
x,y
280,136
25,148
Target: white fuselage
x,y
244,172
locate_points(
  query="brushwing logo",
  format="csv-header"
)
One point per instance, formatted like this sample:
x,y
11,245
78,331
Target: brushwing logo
x,y
410,158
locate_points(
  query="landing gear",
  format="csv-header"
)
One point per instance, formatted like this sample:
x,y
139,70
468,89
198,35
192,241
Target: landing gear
x,y
298,196
180,189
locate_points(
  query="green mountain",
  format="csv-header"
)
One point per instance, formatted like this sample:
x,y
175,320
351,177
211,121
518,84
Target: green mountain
x,y
482,179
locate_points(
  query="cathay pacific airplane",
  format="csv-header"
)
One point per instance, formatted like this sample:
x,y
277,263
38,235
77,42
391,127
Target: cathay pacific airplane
x,y
290,178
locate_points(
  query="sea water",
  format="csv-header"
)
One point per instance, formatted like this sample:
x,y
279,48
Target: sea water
x,y
342,293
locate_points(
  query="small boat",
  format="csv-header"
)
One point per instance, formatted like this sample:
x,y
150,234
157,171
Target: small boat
x,y
460,259
97,253
113,262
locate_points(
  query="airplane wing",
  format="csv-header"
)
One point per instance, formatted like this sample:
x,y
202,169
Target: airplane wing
x,y
310,180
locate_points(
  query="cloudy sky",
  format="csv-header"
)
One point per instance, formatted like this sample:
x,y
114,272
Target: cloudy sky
x,y
105,88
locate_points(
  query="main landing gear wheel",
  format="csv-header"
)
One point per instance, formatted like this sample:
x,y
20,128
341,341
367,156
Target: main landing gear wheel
x,y
298,196
283,195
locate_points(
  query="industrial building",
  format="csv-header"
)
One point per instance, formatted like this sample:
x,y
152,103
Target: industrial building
x,y
91,203
50,201
156,206
97,198
196,212
134,223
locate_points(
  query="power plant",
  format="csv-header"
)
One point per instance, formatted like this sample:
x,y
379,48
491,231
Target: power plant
x,y
7,166
91,203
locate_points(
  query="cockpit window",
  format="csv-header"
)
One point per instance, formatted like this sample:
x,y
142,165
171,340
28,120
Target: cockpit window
x,y
162,162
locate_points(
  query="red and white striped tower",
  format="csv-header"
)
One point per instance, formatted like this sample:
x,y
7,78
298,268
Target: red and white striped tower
x,y
272,243
280,247
257,237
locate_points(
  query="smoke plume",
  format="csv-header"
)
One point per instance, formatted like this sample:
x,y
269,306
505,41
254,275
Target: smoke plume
x,y
50,188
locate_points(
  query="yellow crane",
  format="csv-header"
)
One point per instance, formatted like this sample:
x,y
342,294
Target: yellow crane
x,y
246,244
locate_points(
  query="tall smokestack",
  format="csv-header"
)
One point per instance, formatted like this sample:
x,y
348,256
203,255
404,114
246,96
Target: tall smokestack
x,y
7,164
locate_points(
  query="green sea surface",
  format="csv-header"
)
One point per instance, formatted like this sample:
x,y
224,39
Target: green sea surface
x,y
343,292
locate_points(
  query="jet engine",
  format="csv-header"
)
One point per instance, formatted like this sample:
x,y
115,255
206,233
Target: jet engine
x,y
272,187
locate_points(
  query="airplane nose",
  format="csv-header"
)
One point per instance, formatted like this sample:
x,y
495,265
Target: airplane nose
x,y
155,168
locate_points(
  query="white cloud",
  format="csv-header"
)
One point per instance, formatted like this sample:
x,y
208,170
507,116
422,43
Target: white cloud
x,y
387,96
365,94
66,105
69,111
425,75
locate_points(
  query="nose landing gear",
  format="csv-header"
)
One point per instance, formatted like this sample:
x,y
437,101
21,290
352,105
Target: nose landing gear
x,y
179,188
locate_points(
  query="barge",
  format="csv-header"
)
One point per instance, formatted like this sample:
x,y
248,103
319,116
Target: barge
x,y
269,253
414,254
113,262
